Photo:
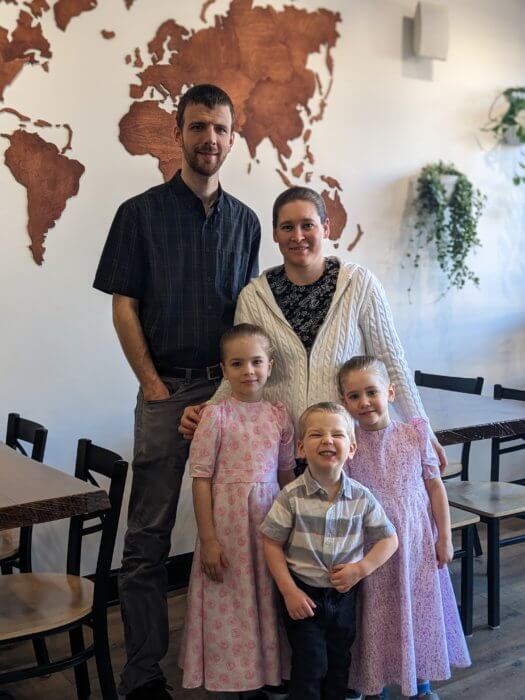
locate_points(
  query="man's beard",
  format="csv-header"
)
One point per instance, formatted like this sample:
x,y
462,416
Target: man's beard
x,y
192,159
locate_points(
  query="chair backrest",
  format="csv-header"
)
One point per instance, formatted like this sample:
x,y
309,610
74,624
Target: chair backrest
x,y
91,460
21,430
464,385
501,392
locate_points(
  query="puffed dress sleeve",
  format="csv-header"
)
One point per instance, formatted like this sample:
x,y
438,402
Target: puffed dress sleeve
x,y
429,461
286,460
206,443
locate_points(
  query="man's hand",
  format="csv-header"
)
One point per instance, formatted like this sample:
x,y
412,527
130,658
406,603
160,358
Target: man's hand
x,y
213,559
343,577
157,391
298,604
444,551
440,454
190,420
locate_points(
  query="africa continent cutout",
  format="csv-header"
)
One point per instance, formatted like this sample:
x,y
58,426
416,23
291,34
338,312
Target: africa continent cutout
x,y
259,56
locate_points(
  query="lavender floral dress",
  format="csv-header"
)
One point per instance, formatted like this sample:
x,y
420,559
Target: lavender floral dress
x,y
231,639
409,626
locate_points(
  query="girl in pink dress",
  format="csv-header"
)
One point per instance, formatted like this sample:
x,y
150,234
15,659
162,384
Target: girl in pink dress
x,y
241,447
409,630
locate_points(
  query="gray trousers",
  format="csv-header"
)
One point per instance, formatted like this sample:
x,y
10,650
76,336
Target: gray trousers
x,y
160,454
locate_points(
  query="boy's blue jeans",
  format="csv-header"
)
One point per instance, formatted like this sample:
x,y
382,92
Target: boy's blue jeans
x,y
321,644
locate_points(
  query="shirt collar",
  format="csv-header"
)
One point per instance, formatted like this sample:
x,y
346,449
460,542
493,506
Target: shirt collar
x,y
180,188
312,486
346,488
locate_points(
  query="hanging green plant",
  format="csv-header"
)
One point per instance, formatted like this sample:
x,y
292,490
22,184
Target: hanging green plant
x,y
509,126
447,215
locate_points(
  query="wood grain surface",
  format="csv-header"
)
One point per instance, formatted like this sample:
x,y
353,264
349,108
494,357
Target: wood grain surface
x,y
33,493
457,418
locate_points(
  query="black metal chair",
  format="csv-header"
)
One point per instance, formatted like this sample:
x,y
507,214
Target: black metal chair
x,y
465,522
494,501
501,392
33,606
465,385
15,545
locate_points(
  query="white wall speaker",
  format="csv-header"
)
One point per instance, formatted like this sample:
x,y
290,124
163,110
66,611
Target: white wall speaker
x,y
431,31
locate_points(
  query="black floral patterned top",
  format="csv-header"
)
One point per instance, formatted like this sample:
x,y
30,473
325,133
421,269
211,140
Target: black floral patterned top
x,y
305,306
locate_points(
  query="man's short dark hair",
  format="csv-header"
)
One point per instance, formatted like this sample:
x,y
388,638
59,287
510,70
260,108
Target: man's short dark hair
x,y
210,96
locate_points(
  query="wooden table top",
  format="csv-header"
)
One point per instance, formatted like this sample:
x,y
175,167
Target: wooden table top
x,y
487,498
32,493
457,417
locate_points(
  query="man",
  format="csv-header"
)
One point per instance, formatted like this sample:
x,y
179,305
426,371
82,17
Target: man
x,y
176,258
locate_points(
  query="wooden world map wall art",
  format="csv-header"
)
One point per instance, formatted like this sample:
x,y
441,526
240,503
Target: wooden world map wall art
x,y
259,55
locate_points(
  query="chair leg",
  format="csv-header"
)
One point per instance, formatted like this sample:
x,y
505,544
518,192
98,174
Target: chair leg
x,y
24,554
40,649
103,657
467,578
76,639
477,544
493,572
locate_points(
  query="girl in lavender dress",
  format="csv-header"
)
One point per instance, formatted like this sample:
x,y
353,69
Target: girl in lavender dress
x,y
409,631
242,446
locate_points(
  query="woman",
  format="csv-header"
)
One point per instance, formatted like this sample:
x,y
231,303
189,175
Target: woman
x,y
319,312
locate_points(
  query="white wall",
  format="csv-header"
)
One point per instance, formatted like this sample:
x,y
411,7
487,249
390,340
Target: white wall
x,y
387,116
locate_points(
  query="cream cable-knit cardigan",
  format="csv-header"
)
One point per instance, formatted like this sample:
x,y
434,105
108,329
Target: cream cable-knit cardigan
x,y
358,322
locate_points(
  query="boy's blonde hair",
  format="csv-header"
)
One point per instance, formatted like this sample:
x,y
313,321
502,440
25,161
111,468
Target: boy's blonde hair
x,y
326,407
359,363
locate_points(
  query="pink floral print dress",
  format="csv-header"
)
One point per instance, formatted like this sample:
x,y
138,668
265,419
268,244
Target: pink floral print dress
x,y
231,640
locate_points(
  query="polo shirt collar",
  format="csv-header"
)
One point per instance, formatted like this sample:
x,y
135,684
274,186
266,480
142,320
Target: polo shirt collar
x,y
179,187
346,489
313,486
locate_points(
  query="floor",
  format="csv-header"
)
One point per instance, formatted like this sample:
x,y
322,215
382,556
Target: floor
x,y
497,672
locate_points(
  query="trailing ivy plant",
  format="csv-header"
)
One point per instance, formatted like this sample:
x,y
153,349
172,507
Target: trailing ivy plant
x,y
509,127
447,224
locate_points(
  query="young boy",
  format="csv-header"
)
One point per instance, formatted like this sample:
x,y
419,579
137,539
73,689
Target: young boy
x,y
313,543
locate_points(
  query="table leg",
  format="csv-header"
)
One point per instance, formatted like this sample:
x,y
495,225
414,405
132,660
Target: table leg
x,y
493,571
467,578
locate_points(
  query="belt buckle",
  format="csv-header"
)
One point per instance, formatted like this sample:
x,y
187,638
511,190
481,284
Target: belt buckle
x,y
209,376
